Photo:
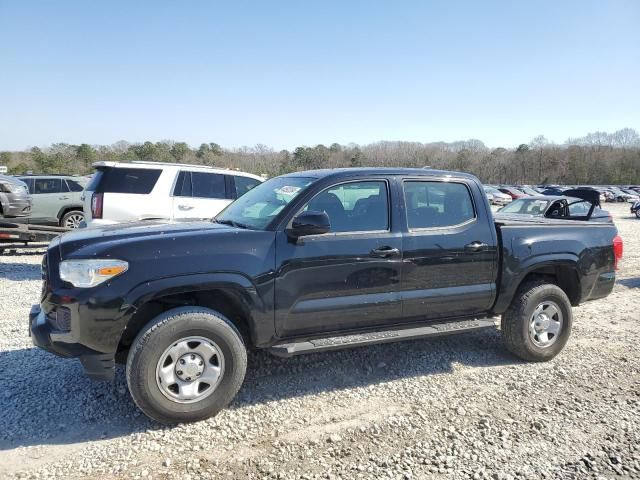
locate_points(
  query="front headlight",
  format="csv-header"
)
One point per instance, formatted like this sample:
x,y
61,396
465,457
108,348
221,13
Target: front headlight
x,y
89,273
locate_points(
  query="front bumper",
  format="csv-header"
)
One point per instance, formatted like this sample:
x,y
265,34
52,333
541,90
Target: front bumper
x,y
97,365
17,208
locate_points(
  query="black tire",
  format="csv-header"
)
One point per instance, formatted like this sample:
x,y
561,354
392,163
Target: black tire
x,y
516,320
68,215
638,213
167,328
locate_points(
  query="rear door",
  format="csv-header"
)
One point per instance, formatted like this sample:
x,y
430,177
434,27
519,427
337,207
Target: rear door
x,y
200,195
450,250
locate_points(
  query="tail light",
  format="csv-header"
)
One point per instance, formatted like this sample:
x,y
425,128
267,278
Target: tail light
x,y
96,205
617,250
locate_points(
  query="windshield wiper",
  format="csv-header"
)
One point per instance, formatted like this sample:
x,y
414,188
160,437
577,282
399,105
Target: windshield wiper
x,y
233,224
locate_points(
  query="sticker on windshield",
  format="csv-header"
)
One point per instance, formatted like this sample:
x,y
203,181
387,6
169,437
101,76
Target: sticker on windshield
x,y
287,190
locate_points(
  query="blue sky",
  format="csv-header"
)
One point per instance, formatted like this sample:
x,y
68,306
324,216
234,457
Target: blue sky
x,y
286,73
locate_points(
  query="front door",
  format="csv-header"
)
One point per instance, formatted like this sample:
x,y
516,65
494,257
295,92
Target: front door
x,y
348,278
450,251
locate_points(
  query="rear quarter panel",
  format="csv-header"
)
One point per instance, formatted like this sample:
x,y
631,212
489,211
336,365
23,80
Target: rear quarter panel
x,y
585,248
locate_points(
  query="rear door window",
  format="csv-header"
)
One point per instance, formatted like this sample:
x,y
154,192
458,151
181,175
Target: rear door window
x,y
437,204
208,185
48,185
74,186
244,184
125,180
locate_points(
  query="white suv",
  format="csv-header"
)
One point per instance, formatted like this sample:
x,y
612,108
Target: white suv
x,y
125,192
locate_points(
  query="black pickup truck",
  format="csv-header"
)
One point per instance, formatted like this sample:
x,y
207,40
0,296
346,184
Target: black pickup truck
x,y
309,262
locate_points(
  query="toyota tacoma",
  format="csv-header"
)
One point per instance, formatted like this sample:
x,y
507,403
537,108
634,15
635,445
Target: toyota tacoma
x,y
310,262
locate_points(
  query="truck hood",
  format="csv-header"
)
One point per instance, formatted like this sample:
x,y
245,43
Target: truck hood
x,y
80,239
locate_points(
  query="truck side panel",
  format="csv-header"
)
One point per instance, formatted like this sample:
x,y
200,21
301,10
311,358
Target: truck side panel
x,y
579,254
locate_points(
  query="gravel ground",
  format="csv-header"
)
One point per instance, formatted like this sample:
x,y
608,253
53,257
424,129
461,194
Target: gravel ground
x,y
454,407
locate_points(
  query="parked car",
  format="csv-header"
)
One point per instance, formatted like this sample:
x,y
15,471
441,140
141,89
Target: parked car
x,y
555,207
496,197
57,199
526,190
512,192
124,192
635,209
634,196
554,191
609,196
15,200
621,196
309,262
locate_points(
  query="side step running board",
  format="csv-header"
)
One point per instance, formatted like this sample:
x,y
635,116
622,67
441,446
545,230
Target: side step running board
x,y
360,340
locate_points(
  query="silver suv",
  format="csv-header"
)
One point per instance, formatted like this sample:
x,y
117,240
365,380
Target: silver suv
x,y
56,199
15,200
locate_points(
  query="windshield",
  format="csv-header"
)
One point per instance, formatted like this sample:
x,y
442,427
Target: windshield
x,y
492,190
526,206
260,205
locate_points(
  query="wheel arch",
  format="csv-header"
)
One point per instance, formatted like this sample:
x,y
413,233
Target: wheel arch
x,y
563,272
231,295
69,208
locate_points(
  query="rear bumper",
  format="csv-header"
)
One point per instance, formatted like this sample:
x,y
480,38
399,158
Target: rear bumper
x,y
99,222
97,365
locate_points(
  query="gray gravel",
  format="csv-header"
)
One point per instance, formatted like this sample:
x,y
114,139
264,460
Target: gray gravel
x,y
454,407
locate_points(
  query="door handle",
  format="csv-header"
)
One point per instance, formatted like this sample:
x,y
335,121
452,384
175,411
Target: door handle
x,y
63,198
476,247
384,252
185,207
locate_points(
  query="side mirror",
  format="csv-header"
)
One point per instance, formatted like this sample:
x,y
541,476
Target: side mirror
x,y
310,223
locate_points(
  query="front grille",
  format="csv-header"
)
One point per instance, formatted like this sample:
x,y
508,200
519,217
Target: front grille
x,y
60,319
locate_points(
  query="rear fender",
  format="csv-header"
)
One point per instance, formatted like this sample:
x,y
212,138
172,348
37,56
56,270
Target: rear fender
x,y
69,208
514,274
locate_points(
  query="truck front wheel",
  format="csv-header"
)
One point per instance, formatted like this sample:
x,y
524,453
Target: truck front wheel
x,y
537,324
186,365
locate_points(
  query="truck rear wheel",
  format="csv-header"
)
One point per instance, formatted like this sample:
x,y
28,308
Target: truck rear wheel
x,y
537,324
186,365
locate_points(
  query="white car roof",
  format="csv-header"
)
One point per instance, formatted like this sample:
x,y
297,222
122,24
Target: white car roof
x,y
175,166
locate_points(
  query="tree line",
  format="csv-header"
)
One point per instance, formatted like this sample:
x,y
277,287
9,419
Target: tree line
x,y
597,158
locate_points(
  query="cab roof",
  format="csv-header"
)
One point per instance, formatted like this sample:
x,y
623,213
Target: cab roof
x,y
366,171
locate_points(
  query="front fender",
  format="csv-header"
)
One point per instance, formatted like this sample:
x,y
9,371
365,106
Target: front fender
x,y
163,287
260,322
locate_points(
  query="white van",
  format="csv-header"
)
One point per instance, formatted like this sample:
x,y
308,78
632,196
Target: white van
x,y
130,191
